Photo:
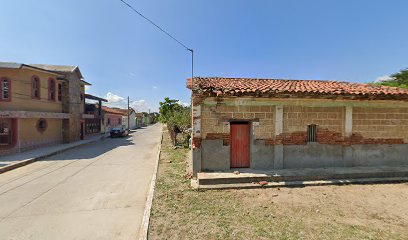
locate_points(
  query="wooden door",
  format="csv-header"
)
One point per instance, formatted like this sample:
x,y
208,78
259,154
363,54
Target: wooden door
x,y
5,132
239,134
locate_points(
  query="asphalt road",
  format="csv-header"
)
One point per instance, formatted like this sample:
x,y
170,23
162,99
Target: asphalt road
x,y
97,191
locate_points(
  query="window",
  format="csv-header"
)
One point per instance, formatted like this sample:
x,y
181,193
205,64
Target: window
x,y
51,89
120,121
5,89
35,87
41,125
108,122
59,92
311,133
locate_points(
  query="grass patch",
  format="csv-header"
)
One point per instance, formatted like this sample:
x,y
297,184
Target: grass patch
x,y
321,212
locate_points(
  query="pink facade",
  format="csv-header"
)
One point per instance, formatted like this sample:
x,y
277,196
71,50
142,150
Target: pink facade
x,y
112,120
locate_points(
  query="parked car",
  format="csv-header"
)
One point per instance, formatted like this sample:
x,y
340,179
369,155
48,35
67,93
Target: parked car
x,y
119,132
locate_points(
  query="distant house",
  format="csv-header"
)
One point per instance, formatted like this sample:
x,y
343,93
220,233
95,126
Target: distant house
x,y
296,124
40,105
112,118
132,117
139,119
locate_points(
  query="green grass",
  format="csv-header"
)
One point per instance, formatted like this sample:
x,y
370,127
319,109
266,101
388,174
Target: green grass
x,y
180,212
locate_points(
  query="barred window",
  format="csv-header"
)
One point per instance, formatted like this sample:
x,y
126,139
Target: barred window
x,y
5,89
311,133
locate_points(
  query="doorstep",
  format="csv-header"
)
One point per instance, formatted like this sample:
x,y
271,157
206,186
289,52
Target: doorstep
x,y
248,178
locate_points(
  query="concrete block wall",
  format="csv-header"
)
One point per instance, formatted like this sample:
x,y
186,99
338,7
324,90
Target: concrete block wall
x,y
380,123
215,120
297,118
349,133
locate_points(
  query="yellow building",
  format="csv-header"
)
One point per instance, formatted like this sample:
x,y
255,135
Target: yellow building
x,y
40,105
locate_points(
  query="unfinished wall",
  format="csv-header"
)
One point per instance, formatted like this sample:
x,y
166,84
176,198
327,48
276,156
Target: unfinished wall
x,y
349,133
215,120
381,123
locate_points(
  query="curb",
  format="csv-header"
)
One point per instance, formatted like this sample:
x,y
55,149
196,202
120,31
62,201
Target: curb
x,y
34,159
144,228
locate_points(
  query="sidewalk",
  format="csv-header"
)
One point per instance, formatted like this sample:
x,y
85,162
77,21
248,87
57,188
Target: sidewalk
x,y
16,160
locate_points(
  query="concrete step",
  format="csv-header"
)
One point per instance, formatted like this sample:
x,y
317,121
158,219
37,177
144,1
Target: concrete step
x,y
300,183
301,175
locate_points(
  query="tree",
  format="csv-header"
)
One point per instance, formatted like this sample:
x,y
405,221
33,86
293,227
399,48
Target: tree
x,y
179,122
399,79
178,119
167,108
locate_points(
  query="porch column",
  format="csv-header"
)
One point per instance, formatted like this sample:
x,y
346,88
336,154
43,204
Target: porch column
x,y
278,151
196,136
348,121
348,131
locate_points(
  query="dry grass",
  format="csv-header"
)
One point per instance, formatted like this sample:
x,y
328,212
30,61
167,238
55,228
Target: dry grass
x,y
322,212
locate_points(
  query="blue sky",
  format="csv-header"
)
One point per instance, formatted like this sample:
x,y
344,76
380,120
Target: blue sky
x,y
120,53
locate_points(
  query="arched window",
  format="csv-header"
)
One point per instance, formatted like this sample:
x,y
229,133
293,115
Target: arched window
x,y
35,87
5,89
51,89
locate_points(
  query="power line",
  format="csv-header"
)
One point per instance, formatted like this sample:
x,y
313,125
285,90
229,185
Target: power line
x,y
157,26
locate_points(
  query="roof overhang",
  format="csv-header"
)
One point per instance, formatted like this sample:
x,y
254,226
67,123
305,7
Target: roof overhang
x,y
9,65
92,97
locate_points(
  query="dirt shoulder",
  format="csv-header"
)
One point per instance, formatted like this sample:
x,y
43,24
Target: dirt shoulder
x,y
378,211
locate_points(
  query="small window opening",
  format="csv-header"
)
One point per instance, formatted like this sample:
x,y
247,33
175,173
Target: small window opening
x,y
59,92
311,133
41,125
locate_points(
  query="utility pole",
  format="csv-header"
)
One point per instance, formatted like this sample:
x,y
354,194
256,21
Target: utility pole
x,y
128,115
192,64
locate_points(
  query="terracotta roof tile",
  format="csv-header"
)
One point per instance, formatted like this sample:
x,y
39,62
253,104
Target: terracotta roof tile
x,y
112,110
249,86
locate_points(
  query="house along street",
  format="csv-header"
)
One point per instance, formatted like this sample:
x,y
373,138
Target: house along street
x,y
97,191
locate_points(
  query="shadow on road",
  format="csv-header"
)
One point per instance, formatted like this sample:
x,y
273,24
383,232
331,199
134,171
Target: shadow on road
x,y
92,150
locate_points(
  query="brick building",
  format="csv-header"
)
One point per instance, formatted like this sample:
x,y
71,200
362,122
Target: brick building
x,y
295,124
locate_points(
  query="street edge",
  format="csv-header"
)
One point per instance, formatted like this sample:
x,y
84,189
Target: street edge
x,y
34,159
144,228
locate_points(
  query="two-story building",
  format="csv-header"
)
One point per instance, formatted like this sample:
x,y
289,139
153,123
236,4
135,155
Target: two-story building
x,y
40,105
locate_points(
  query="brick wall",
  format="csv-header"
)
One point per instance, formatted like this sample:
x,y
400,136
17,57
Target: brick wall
x,y
381,123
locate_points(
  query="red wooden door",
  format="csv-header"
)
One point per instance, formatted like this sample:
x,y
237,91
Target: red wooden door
x,y
239,145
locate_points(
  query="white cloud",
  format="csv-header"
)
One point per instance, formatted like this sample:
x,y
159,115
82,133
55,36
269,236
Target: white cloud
x,y
113,98
121,102
132,74
155,87
139,105
383,78
183,103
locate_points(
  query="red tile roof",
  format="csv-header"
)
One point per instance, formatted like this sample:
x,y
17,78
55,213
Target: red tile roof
x,y
112,111
217,86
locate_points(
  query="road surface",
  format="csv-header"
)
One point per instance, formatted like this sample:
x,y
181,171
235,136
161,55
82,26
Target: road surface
x,y
97,191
